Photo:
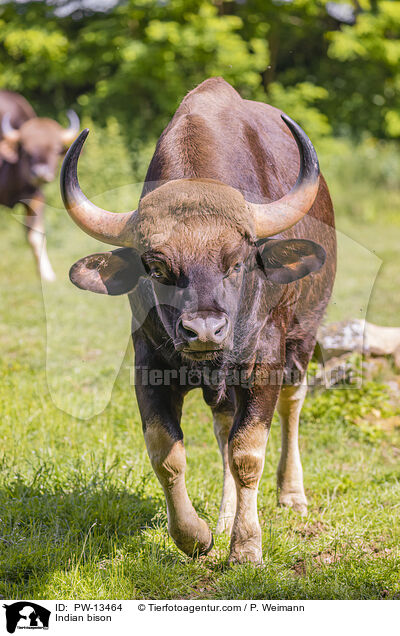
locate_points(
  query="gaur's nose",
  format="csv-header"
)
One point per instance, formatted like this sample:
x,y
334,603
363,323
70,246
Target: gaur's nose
x,y
203,329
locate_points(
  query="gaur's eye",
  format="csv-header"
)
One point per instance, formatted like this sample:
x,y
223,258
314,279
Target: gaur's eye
x,y
234,270
156,273
157,270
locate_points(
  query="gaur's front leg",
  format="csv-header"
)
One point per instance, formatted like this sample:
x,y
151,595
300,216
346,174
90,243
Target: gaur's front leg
x,y
160,408
247,443
34,222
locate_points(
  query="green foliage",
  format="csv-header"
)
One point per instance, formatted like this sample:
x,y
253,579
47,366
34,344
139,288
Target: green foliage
x,y
168,56
349,166
370,51
350,405
300,102
138,60
135,63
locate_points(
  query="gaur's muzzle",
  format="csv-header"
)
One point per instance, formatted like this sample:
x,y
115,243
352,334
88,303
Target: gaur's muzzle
x,y
202,331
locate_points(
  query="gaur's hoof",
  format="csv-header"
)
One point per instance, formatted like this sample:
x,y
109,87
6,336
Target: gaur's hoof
x,y
196,547
48,276
296,501
210,547
251,554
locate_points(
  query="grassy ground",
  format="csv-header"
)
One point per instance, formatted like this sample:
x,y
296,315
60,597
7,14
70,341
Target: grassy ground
x,y
82,515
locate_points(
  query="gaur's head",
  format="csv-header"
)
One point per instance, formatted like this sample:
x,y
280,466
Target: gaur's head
x,y
196,240
37,146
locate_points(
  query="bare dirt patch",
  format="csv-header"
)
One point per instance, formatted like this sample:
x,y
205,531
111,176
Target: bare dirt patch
x,y
332,557
375,551
299,568
311,530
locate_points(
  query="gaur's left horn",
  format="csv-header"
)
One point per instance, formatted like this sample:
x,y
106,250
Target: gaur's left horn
x,y
109,227
273,218
69,134
7,129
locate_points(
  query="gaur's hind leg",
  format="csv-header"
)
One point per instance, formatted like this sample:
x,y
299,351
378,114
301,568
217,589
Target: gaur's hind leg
x,y
223,412
222,425
34,222
290,472
160,408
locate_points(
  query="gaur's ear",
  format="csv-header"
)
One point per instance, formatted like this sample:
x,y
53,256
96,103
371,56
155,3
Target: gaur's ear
x,y
8,151
286,261
112,273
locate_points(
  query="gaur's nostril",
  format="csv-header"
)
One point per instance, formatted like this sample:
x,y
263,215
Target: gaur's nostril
x,y
185,330
219,328
189,333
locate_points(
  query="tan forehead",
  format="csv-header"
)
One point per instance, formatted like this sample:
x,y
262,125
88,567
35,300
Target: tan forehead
x,y
194,237
194,213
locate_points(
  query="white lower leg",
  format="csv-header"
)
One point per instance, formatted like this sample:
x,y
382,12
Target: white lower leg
x,y
222,427
290,473
37,241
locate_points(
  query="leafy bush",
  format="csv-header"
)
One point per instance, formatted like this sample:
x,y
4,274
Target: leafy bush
x,y
137,61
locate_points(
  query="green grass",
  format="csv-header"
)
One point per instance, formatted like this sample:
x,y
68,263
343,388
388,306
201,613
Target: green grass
x,y
81,512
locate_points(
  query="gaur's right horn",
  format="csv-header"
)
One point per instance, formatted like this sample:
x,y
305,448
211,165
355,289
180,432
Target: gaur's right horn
x,y
109,227
277,216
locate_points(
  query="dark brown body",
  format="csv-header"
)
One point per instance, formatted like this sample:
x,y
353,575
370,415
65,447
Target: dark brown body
x,y
217,135
178,268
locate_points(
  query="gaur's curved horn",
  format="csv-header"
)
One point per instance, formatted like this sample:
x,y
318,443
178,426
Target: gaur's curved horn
x,y
69,134
109,227
73,121
275,217
7,129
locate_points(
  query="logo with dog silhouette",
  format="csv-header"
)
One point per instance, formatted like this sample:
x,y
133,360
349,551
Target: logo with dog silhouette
x,y
26,615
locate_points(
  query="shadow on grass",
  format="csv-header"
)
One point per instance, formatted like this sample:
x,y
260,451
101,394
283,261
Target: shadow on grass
x,y
43,529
